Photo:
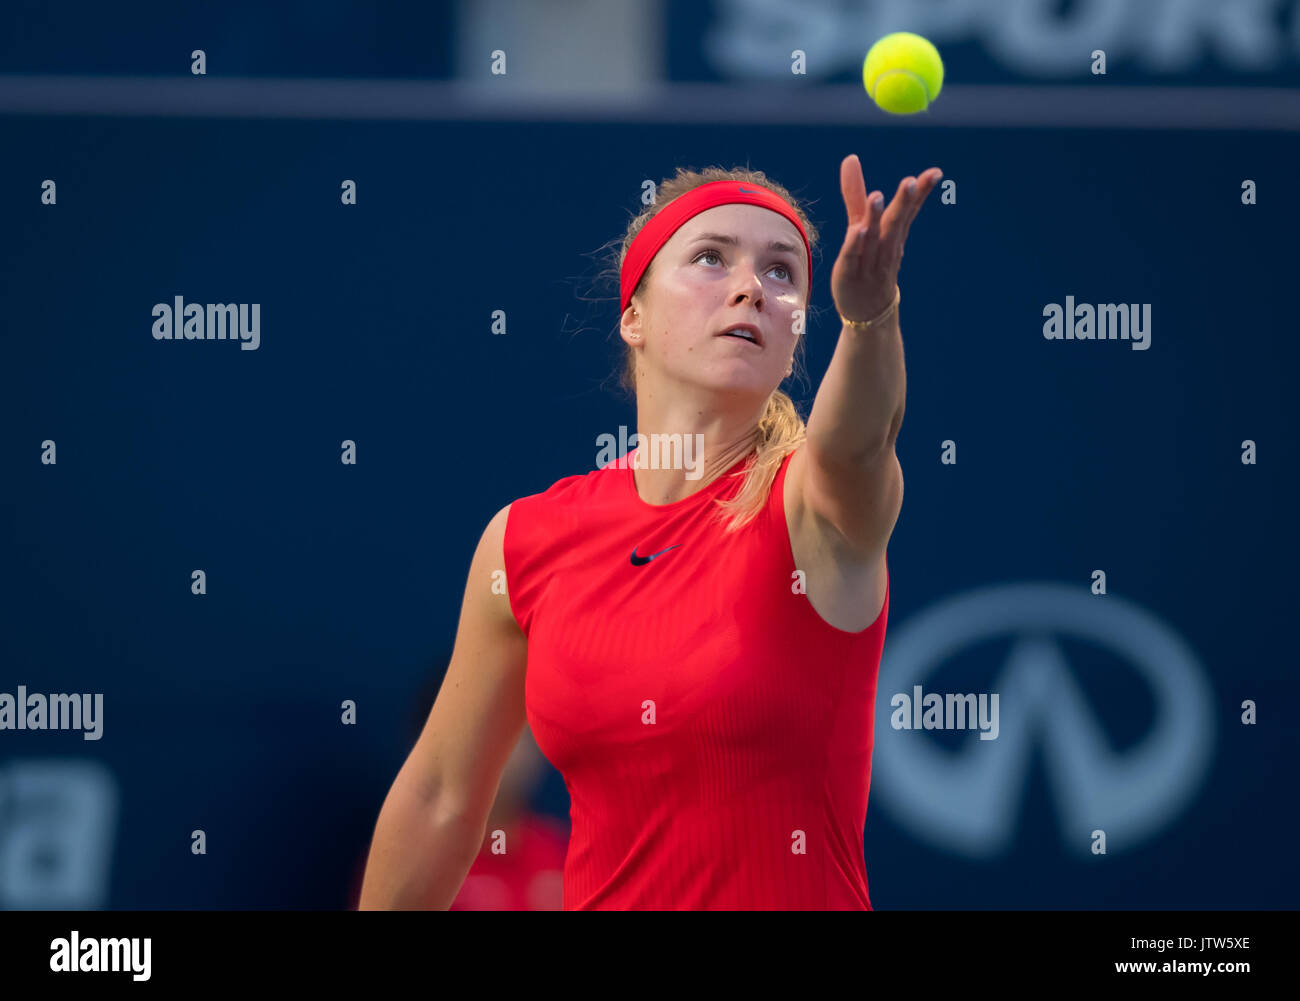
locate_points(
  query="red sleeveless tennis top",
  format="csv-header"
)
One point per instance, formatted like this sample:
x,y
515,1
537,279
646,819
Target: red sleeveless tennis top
x,y
713,731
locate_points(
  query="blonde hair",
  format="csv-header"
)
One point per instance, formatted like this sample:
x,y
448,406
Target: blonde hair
x,y
781,429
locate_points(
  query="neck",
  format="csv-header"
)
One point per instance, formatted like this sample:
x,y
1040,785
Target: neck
x,y
689,460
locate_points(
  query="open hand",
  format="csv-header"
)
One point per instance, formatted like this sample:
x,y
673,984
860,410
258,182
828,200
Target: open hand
x,y
865,273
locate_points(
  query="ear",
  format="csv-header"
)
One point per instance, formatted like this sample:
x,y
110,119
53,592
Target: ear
x,y
630,325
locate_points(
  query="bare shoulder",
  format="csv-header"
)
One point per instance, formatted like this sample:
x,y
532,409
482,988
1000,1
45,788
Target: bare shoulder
x,y
844,589
489,558
495,532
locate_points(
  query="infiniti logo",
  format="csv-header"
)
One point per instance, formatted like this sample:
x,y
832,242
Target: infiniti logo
x,y
968,802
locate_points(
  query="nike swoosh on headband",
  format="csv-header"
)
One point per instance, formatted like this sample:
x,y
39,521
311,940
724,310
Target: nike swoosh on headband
x,y
640,561
747,191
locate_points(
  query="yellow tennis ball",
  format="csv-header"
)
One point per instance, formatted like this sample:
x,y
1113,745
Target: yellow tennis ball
x,y
903,73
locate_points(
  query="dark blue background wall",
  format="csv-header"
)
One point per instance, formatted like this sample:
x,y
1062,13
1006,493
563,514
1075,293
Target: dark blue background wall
x,y
329,582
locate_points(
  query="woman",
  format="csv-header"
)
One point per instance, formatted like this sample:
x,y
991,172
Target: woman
x,y
701,652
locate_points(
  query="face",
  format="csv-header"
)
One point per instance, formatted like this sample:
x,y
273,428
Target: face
x,y
719,270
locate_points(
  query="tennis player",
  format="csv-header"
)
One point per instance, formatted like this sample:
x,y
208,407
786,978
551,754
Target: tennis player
x,y
696,655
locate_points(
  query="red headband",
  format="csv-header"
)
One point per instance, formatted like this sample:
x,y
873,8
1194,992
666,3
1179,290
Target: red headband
x,y
664,223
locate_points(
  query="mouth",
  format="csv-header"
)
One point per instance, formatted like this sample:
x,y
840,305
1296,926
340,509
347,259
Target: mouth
x,y
745,332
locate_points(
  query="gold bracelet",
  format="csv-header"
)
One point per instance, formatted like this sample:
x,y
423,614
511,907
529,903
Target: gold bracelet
x,y
867,324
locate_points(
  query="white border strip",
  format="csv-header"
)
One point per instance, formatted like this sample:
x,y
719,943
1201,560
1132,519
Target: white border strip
x,y
1099,105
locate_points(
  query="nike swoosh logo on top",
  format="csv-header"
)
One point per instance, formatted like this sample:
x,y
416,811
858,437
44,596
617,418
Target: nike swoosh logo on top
x,y
640,561
747,191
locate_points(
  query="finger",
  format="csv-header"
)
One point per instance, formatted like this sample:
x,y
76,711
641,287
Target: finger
x,y
916,192
925,184
860,236
853,188
898,207
876,216
895,215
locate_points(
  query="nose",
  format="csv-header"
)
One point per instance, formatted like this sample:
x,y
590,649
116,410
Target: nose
x,y
750,287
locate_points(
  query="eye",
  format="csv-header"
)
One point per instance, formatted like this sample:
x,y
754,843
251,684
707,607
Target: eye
x,y
713,253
